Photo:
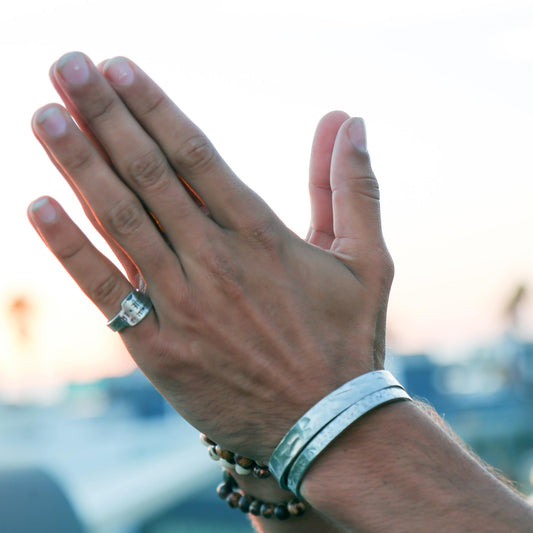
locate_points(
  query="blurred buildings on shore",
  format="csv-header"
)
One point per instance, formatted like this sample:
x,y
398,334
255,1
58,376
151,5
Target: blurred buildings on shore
x,y
125,462
487,400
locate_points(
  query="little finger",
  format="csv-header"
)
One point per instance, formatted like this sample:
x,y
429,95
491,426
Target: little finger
x,y
95,274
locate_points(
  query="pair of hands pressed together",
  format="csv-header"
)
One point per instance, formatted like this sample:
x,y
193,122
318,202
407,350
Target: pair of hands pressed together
x,y
250,325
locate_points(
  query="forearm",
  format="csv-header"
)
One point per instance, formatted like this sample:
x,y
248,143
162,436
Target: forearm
x,y
407,474
268,490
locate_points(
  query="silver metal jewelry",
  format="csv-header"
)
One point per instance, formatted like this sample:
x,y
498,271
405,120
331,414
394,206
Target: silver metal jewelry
x,y
322,414
132,310
336,427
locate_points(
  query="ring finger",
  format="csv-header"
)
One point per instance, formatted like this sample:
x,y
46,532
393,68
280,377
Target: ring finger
x,y
115,207
137,158
96,275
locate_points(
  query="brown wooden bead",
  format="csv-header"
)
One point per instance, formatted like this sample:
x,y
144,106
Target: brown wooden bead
x,y
296,507
255,508
224,489
261,473
267,510
206,441
245,502
233,499
281,512
243,461
225,454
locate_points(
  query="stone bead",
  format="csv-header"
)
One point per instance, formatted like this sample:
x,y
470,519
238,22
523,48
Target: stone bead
x,y
267,510
245,502
255,508
243,462
281,512
233,499
213,454
225,454
242,471
261,473
224,489
226,464
296,507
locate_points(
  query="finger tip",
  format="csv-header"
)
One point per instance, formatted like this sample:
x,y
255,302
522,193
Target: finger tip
x,y
52,70
118,71
328,128
101,65
357,133
334,118
42,210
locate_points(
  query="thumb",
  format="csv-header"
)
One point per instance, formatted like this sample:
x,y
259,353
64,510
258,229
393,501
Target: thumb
x,y
355,197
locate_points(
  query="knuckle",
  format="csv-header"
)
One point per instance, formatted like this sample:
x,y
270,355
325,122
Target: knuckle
x,y
106,291
149,171
387,270
382,268
265,234
187,300
69,250
124,218
77,160
364,186
100,108
153,104
197,153
222,267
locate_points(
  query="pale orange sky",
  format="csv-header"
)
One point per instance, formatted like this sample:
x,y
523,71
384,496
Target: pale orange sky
x,y
445,90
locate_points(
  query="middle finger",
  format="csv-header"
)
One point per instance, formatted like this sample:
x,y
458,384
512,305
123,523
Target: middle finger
x,y
115,207
134,154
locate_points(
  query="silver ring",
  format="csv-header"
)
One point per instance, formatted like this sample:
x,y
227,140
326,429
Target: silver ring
x,y
132,310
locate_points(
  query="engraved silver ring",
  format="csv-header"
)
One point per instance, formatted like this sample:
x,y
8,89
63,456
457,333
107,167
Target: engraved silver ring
x,y
133,309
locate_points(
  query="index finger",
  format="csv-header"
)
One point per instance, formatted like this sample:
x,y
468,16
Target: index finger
x,y
321,227
231,203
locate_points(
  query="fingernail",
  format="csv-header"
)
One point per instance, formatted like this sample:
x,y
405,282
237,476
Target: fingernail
x,y
52,121
74,68
357,134
44,210
119,71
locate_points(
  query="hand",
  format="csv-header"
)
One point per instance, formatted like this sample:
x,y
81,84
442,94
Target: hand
x,y
251,325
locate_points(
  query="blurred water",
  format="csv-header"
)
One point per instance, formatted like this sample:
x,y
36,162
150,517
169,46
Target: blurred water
x,y
120,463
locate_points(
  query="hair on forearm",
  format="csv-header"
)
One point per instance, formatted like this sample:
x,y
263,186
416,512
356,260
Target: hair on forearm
x,y
430,411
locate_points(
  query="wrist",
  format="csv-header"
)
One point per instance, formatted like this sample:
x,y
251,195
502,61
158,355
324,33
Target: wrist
x,y
325,421
269,490
380,454
264,489
369,447
405,472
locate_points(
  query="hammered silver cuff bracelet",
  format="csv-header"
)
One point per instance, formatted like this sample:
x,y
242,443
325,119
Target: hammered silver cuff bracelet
x,y
326,420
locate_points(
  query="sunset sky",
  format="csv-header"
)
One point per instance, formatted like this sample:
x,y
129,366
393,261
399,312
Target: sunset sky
x,y
445,89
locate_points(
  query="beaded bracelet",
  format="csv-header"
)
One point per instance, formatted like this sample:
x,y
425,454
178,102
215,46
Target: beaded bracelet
x,y
237,499
233,461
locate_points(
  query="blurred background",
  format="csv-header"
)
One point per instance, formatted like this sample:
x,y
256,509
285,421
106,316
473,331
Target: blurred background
x,y
445,89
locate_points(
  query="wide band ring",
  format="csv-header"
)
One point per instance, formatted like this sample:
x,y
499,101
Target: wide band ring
x,y
132,310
